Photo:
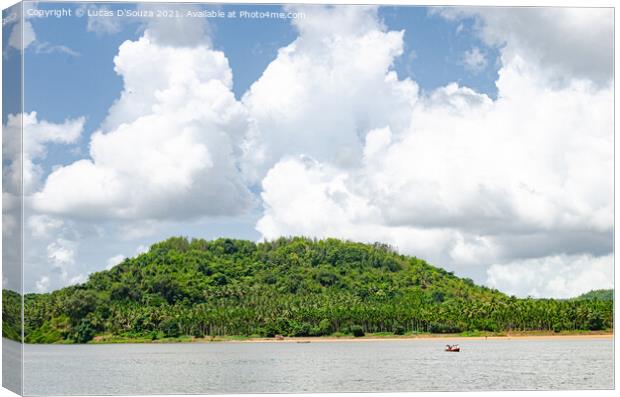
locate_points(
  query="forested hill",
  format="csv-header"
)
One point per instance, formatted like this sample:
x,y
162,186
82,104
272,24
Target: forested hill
x,y
598,294
293,286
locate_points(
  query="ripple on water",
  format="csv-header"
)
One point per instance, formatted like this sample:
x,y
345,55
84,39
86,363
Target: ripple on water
x,y
413,365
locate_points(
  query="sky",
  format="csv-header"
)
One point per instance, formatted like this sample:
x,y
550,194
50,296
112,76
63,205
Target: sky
x,y
477,139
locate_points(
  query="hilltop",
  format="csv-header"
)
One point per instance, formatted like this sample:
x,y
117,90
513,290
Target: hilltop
x,y
598,294
290,286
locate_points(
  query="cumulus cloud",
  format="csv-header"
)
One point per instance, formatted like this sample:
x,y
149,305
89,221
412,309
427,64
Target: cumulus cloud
x,y
461,177
166,150
557,276
175,31
305,197
22,35
317,90
43,284
22,155
170,138
346,148
62,257
61,254
563,43
42,226
113,261
65,250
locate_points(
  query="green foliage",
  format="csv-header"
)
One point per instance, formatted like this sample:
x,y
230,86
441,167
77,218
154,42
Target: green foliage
x,y
596,321
84,331
291,286
11,315
170,328
598,294
325,327
444,328
46,333
357,331
399,330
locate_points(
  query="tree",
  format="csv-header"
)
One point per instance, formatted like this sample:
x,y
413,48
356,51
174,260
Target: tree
x,y
357,331
84,331
170,328
291,286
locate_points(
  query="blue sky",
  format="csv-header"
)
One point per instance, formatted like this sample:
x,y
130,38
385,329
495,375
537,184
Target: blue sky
x,y
268,160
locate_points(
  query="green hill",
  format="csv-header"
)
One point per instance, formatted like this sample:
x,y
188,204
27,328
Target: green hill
x,y
598,294
292,286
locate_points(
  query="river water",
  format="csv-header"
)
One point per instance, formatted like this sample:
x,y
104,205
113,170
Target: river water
x,y
343,366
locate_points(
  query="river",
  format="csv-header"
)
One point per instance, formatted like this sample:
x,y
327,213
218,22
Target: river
x,y
343,366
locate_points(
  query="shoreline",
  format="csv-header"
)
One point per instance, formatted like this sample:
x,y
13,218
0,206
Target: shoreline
x,y
319,339
368,338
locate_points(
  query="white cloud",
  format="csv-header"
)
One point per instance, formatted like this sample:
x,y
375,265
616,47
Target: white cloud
x,y
41,226
474,60
79,279
101,19
19,38
61,255
11,211
317,91
292,184
177,31
171,138
376,141
36,135
47,48
28,38
43,284
458,180
142,249
343,148
558,276
113,261
540,36
304,197
163,25
473,250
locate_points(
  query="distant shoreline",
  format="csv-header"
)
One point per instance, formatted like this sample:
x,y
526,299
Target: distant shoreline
x,y
425,337
367,338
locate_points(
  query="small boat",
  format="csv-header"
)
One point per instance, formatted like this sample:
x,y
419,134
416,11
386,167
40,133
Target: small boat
x,y
453,348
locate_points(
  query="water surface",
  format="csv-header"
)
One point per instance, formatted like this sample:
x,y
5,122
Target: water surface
x,y
381,366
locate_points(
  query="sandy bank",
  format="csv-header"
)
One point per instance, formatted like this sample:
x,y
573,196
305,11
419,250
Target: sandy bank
x,y
413,338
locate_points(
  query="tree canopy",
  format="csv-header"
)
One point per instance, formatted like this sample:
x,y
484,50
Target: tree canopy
x,y
598,294
290,286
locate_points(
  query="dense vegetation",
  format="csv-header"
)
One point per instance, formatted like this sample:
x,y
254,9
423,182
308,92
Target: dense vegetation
x,y
11,314
295,286
598,294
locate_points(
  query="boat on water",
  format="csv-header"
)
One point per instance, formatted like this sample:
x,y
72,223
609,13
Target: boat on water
x,y
453,348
